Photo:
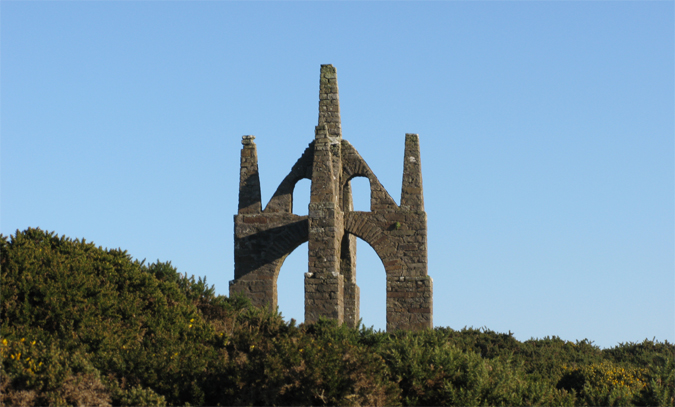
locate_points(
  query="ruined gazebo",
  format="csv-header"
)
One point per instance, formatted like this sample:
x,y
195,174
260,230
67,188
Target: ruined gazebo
x,y
398,233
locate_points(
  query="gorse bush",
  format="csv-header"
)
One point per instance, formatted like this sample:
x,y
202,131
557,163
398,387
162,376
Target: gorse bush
x,y
100,306
86,326
432,370
604,384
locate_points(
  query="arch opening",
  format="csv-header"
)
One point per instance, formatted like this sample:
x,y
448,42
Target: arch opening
x,y
301,194
291,284
371,278
360,187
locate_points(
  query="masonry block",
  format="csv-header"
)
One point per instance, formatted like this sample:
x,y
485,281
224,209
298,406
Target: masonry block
x,y
324,296
262,293
409,303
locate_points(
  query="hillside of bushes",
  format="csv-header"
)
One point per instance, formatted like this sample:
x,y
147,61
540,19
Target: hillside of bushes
x,y
82,325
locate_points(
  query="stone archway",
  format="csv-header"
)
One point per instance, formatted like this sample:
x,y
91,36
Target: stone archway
x,y
261,246
397,233
291,285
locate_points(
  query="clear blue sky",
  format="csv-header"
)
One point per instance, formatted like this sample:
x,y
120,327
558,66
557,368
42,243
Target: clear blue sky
x,y
547,136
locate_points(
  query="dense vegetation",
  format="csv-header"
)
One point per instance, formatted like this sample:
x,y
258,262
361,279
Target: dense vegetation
x,y
86,326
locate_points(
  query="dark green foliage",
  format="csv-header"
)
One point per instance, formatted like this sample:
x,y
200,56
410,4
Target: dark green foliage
x,y
81,325
113,312
433,370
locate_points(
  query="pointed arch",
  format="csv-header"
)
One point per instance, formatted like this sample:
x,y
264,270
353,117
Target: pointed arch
x,y
290,282
371,279
282,200
353,165
362,226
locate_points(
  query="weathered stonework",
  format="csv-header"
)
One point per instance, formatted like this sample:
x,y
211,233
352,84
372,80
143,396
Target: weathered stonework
x,y
398,234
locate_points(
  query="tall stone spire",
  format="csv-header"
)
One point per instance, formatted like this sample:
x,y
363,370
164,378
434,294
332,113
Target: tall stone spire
x,y
329,101
412,195
249,180
324,285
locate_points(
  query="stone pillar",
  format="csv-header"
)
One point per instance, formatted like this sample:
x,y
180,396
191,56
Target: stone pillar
x,y
249,180
324,294
412,197
409,303
329,116
258,287
324,285
410,291
348,266
329,101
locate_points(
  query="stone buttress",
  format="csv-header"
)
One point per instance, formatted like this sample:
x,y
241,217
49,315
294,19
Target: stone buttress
x,y
397,233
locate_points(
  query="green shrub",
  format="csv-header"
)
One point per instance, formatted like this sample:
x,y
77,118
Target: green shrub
x,y
604,384
137,396
433,371
82,325
102,306
273,362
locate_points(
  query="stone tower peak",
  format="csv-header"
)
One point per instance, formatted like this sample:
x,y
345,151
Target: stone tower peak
x,y
329,101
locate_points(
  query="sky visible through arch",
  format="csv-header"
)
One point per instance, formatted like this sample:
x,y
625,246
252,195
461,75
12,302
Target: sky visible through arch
x,y
546,132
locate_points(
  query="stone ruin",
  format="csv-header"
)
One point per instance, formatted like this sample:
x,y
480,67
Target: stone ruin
x,y
263,238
